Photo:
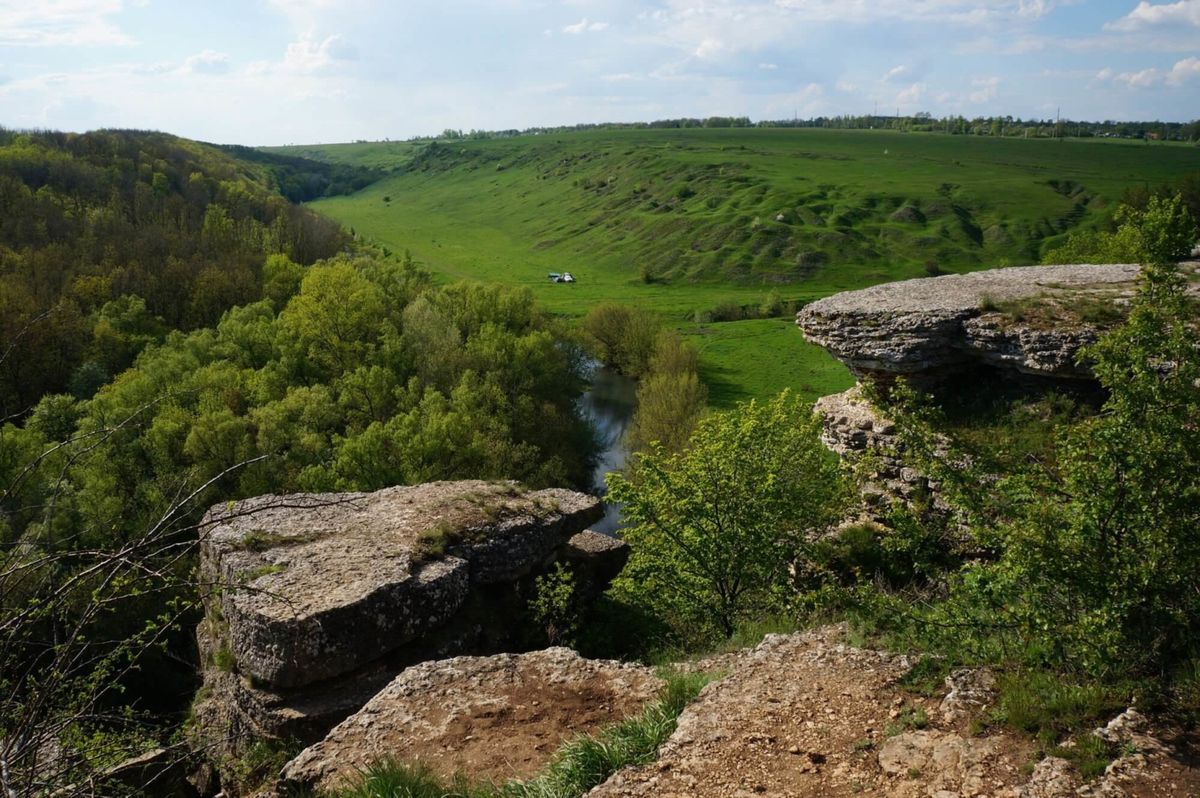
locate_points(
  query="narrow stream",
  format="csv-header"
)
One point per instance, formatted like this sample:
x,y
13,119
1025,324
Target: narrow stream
x,y
609,405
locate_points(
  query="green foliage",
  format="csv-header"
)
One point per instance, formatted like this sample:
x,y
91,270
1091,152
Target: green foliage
x,y
555,606
713,528
110,239
927,676
1163,231
670,397
837,188
99,499
909,719
1050,706
623,337
1091,557
224,659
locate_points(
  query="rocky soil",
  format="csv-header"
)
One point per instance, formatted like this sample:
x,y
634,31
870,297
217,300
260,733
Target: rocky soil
x,y
922,328
808,715
495,718
318,601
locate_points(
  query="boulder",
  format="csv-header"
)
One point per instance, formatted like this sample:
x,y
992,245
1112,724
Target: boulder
x,y
317,601
1030,319
489,718
595,559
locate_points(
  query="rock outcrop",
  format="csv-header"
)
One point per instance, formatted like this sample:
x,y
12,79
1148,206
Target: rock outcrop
x,y
808,715
495,718
318,601
1030,319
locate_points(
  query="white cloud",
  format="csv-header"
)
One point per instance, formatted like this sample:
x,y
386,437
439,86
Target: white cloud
x,y
1145,15
972,12
911,95
1183,71
710,48
584,26
896,72
207,62
64,23
308,56
768,66
985,89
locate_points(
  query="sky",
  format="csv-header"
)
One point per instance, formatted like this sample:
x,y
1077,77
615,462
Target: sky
x,y
315,71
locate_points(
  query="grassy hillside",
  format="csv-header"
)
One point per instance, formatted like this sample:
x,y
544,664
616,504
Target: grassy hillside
x,y
681,221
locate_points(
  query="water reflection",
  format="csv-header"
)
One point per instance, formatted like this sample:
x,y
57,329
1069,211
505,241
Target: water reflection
x,y
609,405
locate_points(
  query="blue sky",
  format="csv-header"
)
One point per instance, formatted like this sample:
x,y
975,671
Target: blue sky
x,y
298,71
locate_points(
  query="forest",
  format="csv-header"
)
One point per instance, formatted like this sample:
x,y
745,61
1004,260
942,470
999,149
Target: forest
x,y
112,238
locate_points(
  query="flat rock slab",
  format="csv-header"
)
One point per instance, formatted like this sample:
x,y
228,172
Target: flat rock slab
x,y
317,585
925,325
488,718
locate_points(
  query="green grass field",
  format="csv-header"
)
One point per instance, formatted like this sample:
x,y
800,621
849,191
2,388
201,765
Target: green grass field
x,y
680,221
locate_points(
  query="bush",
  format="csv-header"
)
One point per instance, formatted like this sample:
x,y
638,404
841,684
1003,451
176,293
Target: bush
x,y
622,337
714,528
555,606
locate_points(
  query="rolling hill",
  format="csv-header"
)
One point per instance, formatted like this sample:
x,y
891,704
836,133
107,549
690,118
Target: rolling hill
x,y
685,221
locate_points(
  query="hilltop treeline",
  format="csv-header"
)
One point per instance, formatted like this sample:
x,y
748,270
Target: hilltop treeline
x,y
303,179
107,239
922,122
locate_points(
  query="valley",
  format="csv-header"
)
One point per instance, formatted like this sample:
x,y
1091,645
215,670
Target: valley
x,y
706,226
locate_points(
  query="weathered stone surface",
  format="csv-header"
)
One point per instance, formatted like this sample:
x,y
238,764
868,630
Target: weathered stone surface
x,y
595,559
799,715
926,326
493,718
853,427
968,690
945,761
327,583
318,601
1053,777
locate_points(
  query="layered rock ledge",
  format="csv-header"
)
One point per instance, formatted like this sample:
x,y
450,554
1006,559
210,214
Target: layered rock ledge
x,y
495,718
319,600
1031,319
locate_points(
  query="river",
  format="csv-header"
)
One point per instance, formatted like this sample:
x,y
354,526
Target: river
x,y
609,406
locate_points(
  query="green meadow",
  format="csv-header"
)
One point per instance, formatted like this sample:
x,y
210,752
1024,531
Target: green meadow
x,y
685,221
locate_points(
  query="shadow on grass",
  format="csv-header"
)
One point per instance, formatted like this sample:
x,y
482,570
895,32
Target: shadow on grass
x,y
723,391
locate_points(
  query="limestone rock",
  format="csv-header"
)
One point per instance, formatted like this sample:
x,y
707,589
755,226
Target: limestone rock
x,y
1053,777
968,690
927,326
324,584
493,718
851,427
806,714
318,601
595,559
943,761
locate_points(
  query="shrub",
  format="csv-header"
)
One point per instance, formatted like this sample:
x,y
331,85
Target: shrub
x,y
714,528
555,606
622,337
